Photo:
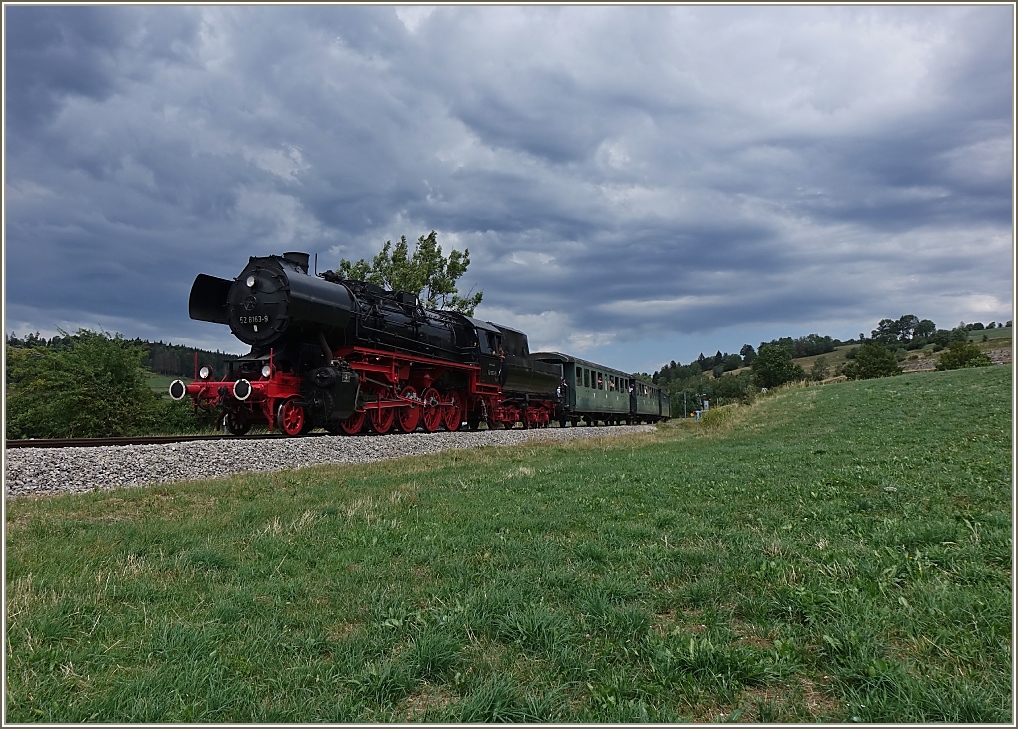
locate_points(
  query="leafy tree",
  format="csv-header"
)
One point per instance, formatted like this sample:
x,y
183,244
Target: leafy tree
x,y
887,331
925,328
425,272
95,386
962,354
872,360
820,369
732,362
731,387
748,353
773,366
907,326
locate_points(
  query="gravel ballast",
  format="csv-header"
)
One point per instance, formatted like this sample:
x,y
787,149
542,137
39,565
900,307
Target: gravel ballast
x,y
47,471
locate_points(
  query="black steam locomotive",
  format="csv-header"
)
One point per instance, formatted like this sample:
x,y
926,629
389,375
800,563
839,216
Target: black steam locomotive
x,y
338,354
342,355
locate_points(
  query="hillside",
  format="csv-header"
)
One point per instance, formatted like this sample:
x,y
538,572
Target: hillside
x,y
833,553
997,347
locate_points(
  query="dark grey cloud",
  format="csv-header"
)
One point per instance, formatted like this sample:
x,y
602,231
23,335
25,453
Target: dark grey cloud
x,y
622,176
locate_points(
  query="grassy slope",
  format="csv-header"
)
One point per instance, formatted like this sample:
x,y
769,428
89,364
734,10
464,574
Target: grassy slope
x,y
161,383
830,553
996,339
1000,333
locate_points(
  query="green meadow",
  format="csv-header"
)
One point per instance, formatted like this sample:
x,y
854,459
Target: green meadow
x,y
834,553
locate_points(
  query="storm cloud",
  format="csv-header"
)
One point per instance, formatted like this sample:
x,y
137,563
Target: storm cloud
x,y
638,184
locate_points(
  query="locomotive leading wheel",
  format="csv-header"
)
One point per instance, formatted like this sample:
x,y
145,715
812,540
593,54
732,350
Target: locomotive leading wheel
x,y
432,415
291,418
409,416
237,422
453,415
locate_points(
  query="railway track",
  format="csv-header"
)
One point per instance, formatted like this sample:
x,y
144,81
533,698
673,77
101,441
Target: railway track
x,y
140,440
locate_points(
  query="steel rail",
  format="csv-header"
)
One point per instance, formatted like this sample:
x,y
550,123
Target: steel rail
x,y
141,440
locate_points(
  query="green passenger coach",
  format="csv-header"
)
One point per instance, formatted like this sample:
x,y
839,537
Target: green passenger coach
x,y
595,393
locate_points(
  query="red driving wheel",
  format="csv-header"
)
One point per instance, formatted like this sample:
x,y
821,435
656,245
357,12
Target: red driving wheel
x,y
408,417
383,418
354,424
432,414
453,415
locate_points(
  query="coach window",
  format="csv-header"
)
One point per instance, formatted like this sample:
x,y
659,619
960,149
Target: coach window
x,y
579,376
586,377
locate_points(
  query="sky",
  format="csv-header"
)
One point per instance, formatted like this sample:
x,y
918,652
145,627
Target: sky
x,y
634,185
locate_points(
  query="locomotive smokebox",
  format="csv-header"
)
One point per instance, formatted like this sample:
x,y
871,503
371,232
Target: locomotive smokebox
x,y
274,301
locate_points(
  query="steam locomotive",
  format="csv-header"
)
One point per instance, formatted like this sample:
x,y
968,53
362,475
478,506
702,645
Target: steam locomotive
x,y
342,355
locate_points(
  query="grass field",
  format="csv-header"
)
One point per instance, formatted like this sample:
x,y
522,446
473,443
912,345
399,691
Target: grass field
x,y
161,383
991,334
838,553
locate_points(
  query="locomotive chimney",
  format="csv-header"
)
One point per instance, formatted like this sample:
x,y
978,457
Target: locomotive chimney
x,y
301,259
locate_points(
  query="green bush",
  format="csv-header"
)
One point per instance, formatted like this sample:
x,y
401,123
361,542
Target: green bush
x,y
94,387
872,360
773,366
961,354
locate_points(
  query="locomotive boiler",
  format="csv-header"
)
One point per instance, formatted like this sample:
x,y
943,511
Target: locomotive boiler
x,y
343,355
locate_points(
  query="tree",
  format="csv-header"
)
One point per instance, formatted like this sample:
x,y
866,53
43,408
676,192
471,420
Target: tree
x,y
962,354
819,370
887,331
773,366
907,326
748,354
92,386
872,360
425,273
925,328
731,362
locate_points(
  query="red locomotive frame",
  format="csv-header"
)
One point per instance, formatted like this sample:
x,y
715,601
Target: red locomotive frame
x,y
397,391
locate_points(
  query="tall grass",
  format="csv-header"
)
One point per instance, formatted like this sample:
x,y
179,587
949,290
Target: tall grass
x,y
837,553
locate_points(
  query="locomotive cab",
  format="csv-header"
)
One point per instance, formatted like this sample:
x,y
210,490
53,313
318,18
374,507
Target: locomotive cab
x,y
489,344
523,374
